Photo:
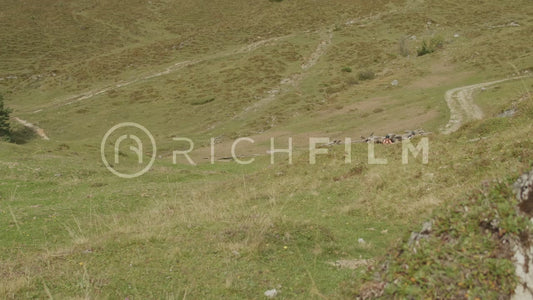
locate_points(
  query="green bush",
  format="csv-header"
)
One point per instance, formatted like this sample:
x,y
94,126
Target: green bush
x,y
425,49
347,69
366,75
5,129
350,80
430,47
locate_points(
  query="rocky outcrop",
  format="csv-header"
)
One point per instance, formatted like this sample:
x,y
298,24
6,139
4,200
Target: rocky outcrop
x,y
523,190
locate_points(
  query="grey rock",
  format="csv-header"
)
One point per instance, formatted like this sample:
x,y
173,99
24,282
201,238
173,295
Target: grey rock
x,y
423,234
271,293
426,227
523,186
507,113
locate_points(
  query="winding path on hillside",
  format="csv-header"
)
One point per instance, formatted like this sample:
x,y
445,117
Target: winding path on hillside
x,y
460,101
294,79
56,103
170,69
271,95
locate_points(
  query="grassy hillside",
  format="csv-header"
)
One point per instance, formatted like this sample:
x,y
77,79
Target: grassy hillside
x,y
261,69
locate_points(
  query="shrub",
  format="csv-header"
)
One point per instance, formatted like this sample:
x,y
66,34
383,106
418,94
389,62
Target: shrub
x,y
5,129
425,49
351,80
334,89
430,47
347,69
366,75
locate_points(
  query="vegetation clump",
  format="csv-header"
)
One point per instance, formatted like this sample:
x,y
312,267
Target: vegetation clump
x,y
5,129
430,46
366,75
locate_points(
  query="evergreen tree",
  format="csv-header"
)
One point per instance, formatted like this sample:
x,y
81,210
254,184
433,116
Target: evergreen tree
x,y
5,130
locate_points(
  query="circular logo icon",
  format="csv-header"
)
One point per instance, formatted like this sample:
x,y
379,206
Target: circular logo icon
x,y
124,134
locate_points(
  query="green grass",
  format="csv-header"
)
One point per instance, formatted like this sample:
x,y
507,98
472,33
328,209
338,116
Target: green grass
x,y
177,222
466,255
71,229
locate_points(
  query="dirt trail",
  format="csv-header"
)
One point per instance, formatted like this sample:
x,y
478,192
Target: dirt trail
x,y
255,45
170,69
173,68
78,98
294,79
39,131
461,104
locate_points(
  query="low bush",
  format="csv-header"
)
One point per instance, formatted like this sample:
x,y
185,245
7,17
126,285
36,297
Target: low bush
x,y
430,46
366,75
